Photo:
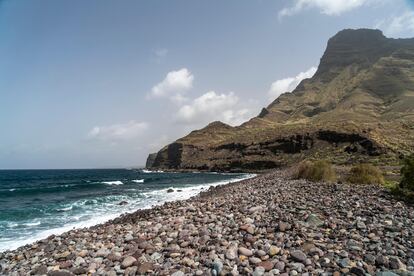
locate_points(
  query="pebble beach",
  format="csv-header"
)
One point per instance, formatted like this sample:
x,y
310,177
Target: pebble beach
x,y
267,225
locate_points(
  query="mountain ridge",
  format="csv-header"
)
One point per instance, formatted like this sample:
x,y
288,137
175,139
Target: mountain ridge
x,y
358,107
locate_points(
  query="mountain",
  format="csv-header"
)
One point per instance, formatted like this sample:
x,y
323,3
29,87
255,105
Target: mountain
x,y
359,106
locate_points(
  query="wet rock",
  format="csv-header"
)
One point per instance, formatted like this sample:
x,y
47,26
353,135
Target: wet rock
x,y
170,190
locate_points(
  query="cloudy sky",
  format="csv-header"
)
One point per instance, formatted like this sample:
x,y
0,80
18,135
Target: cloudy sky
x,y
86,84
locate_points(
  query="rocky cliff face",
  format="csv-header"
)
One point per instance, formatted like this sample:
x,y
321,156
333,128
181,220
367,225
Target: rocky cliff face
x,y
359,106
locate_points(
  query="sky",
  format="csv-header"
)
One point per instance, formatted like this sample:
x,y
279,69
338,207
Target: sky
x,y
99,84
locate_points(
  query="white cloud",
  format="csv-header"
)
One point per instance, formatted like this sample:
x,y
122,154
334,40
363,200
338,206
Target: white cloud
x,y
174,85
328,7
118,132
395,26
289,84
211,107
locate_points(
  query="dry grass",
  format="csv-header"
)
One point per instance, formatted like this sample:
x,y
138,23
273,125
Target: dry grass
x,y
365,174
407,173
316,171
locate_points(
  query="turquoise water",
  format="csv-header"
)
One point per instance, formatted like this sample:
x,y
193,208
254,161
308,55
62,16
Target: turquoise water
x,y
37,203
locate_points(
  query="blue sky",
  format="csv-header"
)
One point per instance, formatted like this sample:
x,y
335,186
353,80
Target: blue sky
x,y
97,83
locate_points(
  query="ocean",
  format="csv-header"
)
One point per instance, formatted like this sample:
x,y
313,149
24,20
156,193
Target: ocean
x,y
37,203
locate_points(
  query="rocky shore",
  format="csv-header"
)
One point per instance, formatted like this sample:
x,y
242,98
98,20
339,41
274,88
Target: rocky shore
x,y
268,225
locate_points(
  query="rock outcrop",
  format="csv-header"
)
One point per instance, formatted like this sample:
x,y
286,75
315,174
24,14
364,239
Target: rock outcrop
x,y
359,106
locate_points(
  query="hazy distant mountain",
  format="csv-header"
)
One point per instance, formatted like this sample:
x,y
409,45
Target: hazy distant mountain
x,y
359,106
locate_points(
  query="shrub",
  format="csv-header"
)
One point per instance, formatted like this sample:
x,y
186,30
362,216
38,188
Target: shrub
x,y
365,174
407,173
316,171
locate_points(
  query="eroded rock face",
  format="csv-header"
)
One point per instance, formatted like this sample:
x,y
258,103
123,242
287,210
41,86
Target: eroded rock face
x,y
363,47
150,160
358,106
269,154
169,157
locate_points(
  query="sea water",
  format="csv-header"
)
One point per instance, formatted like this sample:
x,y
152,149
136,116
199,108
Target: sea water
x,y
37,203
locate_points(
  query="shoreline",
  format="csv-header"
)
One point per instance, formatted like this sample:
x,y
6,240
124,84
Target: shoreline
x,y
266,224
183,194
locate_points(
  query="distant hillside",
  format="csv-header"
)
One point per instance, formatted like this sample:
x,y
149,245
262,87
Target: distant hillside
x,y
359,106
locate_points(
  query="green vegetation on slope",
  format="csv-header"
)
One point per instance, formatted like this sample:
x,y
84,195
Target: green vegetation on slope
x,y
407,173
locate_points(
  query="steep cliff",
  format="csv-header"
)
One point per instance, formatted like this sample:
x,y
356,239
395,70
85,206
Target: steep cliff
x,y
359,106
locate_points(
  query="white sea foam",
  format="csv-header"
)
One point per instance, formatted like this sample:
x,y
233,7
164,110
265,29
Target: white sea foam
x,y
138,180
186,192
65,209
113,182
12,224
149,171
93,214
10,244
32,223
11,190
